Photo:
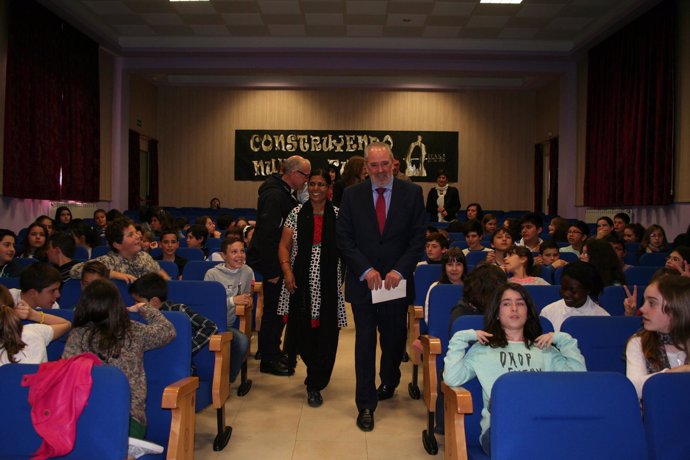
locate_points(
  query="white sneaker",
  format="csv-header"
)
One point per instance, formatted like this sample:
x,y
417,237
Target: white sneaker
x,y
139,448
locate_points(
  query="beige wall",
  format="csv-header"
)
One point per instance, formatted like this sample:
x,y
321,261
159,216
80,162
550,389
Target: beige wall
x,y
196,133
548,109
142,107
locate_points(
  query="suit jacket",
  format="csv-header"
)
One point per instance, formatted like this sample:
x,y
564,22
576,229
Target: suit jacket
x,y
363,247
451,201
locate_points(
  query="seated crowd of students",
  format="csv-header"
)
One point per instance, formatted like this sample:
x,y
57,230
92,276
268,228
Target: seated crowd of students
x,y
514,254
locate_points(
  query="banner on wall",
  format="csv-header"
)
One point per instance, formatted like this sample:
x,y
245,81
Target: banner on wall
x,y
258,153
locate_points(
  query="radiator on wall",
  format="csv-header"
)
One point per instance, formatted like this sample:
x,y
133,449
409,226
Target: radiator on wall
x,y
591,214
79,210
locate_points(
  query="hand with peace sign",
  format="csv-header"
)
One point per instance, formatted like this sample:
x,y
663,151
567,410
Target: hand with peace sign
x,y
630,302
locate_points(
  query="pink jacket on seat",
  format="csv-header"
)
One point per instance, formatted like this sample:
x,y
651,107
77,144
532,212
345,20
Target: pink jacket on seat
x,y
58,393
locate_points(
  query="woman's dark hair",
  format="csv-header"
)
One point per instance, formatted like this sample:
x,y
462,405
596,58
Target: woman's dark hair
x,y
353,170
480,211
79,228
39,253
522,251
607,219
441,172
103,314
603,257
322,173
514,228
481,284
637,229
164,217
587,275
644,243
335,169
493,325
57,222
683,251
452,255
560,233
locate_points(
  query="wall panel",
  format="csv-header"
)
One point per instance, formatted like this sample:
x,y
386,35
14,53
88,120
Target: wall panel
x,y
196,133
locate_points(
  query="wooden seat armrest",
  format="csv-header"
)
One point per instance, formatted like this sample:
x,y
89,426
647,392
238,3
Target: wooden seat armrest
x,y
415,313
431,349
180,397
244,313
259,290
220,387
456,403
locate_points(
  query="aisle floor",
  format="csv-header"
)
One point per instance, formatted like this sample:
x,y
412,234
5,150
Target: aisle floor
x,y
274,422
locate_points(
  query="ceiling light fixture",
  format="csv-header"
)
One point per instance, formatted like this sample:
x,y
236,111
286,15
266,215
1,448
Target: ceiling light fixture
x,y
504,2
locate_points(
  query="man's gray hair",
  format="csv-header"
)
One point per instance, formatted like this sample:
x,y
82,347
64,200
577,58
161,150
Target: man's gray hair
x,y
377,145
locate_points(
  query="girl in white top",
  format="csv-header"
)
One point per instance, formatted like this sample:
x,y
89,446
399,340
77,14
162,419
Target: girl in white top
x,y
662,345
26,343
519,261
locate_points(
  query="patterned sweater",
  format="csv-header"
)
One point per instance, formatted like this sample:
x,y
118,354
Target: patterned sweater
x,y
139,265
141,337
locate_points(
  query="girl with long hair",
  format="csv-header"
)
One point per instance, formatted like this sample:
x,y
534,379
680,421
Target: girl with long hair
x,y
511,327
662,344
102,326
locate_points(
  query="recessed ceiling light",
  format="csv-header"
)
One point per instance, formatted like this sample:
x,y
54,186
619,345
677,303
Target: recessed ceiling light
x,y
506,2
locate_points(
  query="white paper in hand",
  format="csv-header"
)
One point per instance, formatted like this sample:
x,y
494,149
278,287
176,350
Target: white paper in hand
x,y
384,295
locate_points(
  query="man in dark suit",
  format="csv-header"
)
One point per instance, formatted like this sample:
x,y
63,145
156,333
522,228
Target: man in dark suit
x,y
381,238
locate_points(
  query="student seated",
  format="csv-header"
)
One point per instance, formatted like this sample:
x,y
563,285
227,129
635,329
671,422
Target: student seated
x,y
148,242
633,233
549,256
604,227
578,233
511,326
207,222
489,224
101,222
531,226
662,345
169,244
520,264
453,271
153,290
93,270
679,259
234,233
26,344
102,326
47,223
473,237
237,278
580,282
60,250
34,245
9,268
63,218
500,242
654,240
620,220
558,230
599,253
84,235
479,288
196,238
436,245
126,261
39,286
619,248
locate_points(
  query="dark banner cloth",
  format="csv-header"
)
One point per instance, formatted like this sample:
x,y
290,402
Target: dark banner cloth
x,y
258,153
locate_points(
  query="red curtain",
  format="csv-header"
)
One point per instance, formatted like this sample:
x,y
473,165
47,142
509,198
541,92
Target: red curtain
x,y
630,110
52,108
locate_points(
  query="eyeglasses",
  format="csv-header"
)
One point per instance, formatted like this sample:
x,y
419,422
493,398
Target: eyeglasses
x,y
305,175
574,232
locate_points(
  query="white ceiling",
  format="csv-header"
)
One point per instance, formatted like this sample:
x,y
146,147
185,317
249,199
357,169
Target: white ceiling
x,y
354,43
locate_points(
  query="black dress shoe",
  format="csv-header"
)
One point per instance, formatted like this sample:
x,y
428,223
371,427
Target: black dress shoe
x,y
365,420
385,392
314,398
275,368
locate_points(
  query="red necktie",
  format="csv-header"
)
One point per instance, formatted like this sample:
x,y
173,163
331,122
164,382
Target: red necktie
x,y
381,209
